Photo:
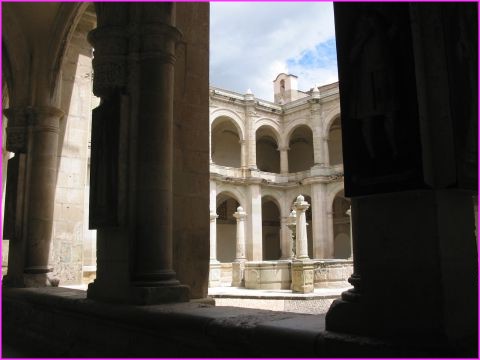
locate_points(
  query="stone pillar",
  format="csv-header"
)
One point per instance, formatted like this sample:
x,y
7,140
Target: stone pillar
x,y
301,207
302,266
243,154
329,246
316,121
215,267
286,239
254,244
139,266
33,131
322,244
326,151
153,268
210,161
349,213
250,131
284,159
238,265
410,176
213,237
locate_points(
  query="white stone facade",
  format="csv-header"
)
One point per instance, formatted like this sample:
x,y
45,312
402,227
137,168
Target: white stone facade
x,y
262,156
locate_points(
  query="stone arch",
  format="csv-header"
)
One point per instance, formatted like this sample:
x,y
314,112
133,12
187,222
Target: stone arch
x,y
273,125
230,115
290,128
300,153
226,205
15,53
330,117
267,154
335,151
274,196
333,190
341,226
271,222
225,139
232,191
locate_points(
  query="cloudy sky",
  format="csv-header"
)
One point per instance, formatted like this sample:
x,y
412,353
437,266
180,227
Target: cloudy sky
x,y
252,42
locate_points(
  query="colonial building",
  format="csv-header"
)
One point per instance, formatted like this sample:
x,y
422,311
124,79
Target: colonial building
x,y
408,83
263,155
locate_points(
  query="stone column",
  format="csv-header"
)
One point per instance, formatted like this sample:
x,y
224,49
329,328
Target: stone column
x,y
215,270
34,131
215,267
284,159
210,161
411,184
238,265
302,266
329,246
316,121
254,244
286,240
135,262
250,131
326,151
243,154
213,237
153,268
301,206
322,246
349,213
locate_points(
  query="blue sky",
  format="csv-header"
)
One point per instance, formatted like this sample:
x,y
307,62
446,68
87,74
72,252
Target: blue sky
x,y
252,42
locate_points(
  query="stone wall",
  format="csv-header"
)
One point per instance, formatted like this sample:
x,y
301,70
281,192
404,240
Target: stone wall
x,y
191,151
61,323
70,215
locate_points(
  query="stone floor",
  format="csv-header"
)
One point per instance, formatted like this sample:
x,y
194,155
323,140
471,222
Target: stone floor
x,y
317,302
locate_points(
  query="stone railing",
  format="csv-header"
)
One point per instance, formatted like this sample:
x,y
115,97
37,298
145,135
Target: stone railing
x,y
239,174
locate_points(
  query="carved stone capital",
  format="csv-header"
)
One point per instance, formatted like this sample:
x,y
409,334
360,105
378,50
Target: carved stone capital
x,y
158,40
36,118
110,58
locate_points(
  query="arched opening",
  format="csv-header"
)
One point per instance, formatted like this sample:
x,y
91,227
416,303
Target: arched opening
x,y
268,157
335,143
226,148
5,157
308,215
341,227
300,155
270,229
74,244
226,228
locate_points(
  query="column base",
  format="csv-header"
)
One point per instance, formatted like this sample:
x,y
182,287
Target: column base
x,y
151,295
238,273
416,258
214,275
348,317
31,280
139,295
302,276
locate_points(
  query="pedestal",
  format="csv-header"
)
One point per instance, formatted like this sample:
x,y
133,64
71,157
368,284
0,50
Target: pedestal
x,y
214,274
238,273
302,276
415,268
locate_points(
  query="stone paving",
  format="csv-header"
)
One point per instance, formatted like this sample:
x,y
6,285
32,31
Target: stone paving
x,y
317,302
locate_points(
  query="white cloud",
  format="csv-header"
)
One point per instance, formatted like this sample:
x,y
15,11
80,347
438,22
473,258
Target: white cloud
x,y
251,43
